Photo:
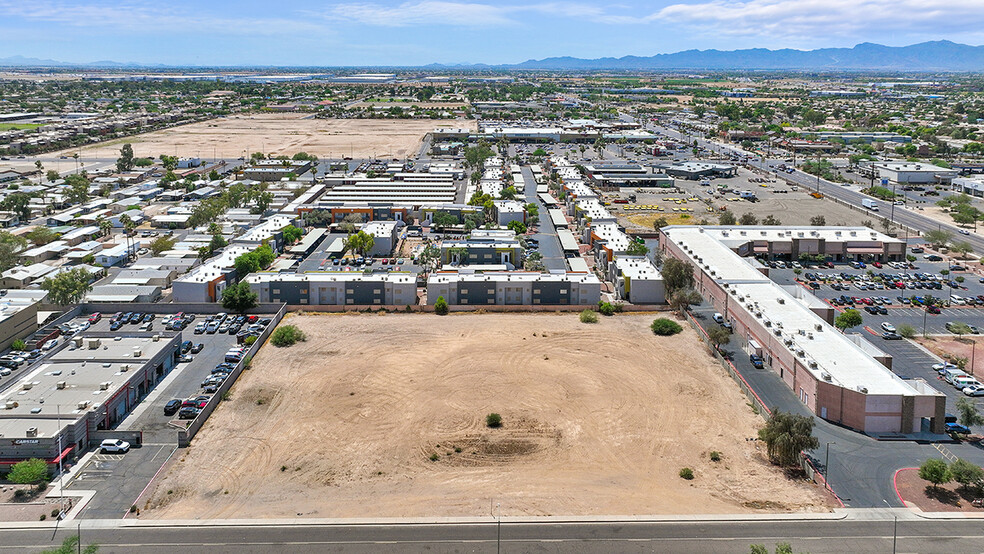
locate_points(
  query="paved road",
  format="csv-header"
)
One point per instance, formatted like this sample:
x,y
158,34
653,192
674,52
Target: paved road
x,y
553,255
816,536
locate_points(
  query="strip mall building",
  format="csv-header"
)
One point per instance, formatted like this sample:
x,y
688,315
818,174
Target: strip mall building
x,y
841,378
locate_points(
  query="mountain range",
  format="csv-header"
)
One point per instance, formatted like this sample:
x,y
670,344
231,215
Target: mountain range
x,y
942,55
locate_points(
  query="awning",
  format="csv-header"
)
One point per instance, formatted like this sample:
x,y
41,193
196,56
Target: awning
x,y
865,250
763,249
61,456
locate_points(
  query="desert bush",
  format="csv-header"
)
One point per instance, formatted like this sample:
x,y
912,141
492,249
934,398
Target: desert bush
x,y
687,473
441,306
589,316
493,420
665,327
287,335
715,456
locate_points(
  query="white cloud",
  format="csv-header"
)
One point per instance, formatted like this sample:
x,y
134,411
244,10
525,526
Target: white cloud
x,y
466,14
814,19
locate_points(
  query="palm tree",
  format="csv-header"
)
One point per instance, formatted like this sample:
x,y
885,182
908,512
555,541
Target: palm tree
x,y
105,226
76,156
128,226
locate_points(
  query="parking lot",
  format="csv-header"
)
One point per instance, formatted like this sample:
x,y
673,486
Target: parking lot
x,y
119,479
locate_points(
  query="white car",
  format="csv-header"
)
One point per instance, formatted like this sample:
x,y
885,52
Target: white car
x,y
114,445
976,390
887,327
943,367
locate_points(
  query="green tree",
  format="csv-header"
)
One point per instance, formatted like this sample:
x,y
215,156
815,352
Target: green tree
x,y
292,234
508,193
935,471
443,220
265,255
239,298
961,248
162,244
20,204
534,262
938,238
967,474
907,331
532,211
18,344
847,319
68,287
681,299
718,336
637,248
588,316
246,263
748,219
77,189
53,175
41,236
786,435
677,274
125,162
360,243
441,306
727,218
170,163
968,413
28,472
517,227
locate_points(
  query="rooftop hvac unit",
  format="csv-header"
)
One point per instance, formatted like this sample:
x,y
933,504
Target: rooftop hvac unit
x,y
758,313
781,300
863,390
31,432
777,331
125,367
104,385
11,404
799,352
137,352
826,376
809,336
818,327
83,404
779,324
60,385
813,364
767,322
77,341
27,386
788,341
94,344
801,332
156,338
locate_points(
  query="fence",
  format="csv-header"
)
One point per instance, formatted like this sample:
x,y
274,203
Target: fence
x,y
187,307
185,435
428,308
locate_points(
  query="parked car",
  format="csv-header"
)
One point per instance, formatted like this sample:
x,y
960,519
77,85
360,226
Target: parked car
x,y
957,429
172,406
197,348
756,360
185,358
116,325
114,445
976,390
891,336
188,412
95,317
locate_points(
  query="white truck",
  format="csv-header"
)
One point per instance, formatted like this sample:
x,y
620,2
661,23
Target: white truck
x,y
870,204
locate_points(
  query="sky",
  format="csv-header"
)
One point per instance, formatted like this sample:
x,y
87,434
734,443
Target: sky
x,y
363,33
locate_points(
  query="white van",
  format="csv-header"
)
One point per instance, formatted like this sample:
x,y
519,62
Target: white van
x,y
718,318
960,383
951,374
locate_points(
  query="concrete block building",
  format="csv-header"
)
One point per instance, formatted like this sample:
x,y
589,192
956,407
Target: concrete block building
x,y
335,289
514,288
637,280
840,378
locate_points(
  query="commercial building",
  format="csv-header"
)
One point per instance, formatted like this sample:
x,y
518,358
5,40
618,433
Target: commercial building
x,y
698,170
483,247
841,378
509,210
336,289
384,234
58,410
514,288
637,280
18,314
837,244
275,170
914,173
206,282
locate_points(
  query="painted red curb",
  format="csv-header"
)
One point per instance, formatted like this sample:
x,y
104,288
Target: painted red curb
x,y
738,373
825,485
895,483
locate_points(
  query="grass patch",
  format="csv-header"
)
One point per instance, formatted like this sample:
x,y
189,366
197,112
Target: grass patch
x,y
19,126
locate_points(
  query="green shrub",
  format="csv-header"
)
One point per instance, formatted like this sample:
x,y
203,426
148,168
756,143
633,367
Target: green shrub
x,y
287,335
434,457
687,473
665,327
493,420
441,306
606,308
589,316
29,472
250,340
18,345
715,456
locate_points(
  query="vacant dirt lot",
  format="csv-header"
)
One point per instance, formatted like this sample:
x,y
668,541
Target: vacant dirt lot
x,y
597,419
281,134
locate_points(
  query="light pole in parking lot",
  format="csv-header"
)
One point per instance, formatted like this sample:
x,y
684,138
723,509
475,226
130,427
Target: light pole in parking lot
x,y
826,467
895,528
925,313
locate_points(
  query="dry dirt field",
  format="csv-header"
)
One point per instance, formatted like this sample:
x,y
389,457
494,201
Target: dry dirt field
x,y
281,134
597,419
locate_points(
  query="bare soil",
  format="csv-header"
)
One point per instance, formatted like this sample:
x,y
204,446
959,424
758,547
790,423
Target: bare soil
x,y
962,347
950,497
230,137
597,419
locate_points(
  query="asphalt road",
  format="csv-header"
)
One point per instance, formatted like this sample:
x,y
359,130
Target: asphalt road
x,y
553,255
884,534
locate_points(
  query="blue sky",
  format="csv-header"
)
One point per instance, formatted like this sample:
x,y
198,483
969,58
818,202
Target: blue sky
x,y
243,32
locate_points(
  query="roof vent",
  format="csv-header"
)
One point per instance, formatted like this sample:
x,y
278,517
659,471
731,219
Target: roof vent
x,y
826,376
781,300
31,432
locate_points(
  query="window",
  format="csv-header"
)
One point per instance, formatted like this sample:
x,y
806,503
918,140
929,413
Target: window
x,y
464,301
303,291
349,291
536,291
536,300
563,301
464,291
303,300
377,291
276,291
350,301
563,291
488,256
377,301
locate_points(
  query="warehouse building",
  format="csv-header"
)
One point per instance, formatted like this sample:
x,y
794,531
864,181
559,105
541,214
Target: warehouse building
x,y
385,236
18,314
637,280
837,244
57,411
335,289
483,247
840,378
914,172
514,288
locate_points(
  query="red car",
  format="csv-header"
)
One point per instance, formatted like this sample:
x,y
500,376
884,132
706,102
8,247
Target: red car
x,y
933,309
95,317
877,264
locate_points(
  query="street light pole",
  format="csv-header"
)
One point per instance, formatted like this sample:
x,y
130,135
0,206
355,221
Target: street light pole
x,y
826,467
498,527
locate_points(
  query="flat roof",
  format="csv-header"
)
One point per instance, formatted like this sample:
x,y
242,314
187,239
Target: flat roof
x,y
567,240
834,353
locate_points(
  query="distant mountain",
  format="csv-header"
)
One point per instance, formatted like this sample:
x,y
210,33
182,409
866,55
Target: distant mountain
x,y
940,55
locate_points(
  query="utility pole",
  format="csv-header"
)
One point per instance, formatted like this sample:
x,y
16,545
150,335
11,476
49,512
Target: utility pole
x,y
826,467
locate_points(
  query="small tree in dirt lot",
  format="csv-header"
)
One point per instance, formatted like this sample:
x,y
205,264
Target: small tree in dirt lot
x,y
287,335
718,336
665,327
786,435
907,331
935,471
847,319
28,472
441,306
239,298
968,413
493,420
967,474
